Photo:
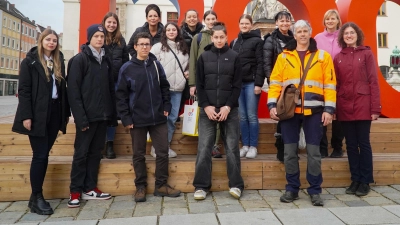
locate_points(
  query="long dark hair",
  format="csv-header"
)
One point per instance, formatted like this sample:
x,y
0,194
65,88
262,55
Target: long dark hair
x,y
181,45
114,37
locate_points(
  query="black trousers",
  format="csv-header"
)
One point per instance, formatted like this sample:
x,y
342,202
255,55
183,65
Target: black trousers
x,y
159,138
87,155
41,147
337,137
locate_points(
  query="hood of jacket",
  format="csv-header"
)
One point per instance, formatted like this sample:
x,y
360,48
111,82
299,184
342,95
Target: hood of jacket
x,y
252,33
291,45
211,47
352,49
149,60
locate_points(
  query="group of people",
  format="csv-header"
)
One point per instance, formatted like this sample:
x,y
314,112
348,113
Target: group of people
x,y
146,91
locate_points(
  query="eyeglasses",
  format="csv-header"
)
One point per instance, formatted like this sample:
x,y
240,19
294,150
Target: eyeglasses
x,y
349,33
147,45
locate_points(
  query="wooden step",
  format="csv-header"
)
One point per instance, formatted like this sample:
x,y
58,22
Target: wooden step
x,y
117,176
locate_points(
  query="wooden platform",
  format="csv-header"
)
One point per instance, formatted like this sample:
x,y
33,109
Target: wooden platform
x,y
117,175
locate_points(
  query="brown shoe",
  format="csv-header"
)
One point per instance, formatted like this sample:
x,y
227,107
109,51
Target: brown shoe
x,y
167,191
140,195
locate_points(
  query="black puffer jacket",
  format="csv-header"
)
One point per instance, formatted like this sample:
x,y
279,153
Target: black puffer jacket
x,y
120,55
145,28
249,46
189,34
218,80
272,48
91,92
34,96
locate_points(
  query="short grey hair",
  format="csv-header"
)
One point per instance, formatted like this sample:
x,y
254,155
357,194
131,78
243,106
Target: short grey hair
x,y
302,24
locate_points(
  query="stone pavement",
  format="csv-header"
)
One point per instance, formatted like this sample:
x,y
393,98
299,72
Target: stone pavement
x,y
8,105
254,207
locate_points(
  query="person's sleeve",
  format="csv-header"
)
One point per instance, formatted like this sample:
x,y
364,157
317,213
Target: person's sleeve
x,y
122,97
125,51
67,107
75,79
260,76
164,86
130,45
201,93
268,55
111,85
236,84
156,50
194,49
329,78
276,82
25,92
373,84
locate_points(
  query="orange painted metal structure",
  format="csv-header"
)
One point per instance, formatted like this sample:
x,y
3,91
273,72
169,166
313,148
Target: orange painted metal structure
x,y
361,12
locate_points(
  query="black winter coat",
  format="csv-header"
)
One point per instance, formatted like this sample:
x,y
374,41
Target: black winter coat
x,y
120,55
145,28
250,49
272,48
189,34
34,96
143,93
219,79
91,92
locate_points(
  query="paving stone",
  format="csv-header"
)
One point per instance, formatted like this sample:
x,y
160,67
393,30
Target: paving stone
x,y
258,209
10,217
175,204
192,219
358,203
60,219
4,205
392,196
396,186
303,203
333,203
123,198
336,191
365,215
150,209
397,201
94,204
175,211
54,202
217,194
324,191
230,208
148,220
372,193
315,216
227,201
346,197
150,198
209,198
119,213
123,205
254,204
282,205
91,213
384,189
248,218
65,212
75,222
327,197
378,201
33,217
270,193
395,209
21,206
182,197
251,196
303,194
203,207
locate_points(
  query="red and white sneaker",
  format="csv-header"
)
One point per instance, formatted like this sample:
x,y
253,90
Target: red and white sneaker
x,y
74,200
95,194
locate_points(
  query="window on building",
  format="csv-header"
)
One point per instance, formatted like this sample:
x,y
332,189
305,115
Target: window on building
x,y
26,30
14,25
4,41
382,10
10,24
17,46
22,46
18,27
30,32
382,40
11,87
11,64
8,42
13,43
5,22
2,62
23,27
7,63
16,64
1,87
172,17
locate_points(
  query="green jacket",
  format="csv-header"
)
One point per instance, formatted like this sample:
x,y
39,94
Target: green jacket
x,y
195,51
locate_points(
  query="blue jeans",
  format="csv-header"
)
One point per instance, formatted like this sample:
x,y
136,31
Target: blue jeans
x,y
230,136
173,116
110,135
248,111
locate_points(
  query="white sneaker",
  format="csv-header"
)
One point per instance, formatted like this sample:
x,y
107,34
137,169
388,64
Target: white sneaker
x,y
171,153
244,150
95,194
200,195
252,153
235,192
153,151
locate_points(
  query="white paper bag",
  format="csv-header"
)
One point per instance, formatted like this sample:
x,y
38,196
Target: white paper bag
x,y
302,139
148,137
191,120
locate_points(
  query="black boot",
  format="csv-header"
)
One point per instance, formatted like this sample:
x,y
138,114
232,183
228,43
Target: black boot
x,y
337,153
110,154
31,200
40,206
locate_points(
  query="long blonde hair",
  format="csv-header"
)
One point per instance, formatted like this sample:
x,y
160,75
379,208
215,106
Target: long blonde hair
x,y
55,54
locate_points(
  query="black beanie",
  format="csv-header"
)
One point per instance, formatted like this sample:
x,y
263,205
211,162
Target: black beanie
x,y
93,29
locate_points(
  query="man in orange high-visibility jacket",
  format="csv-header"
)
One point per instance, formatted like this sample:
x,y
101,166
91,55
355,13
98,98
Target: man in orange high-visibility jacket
x,y
314,109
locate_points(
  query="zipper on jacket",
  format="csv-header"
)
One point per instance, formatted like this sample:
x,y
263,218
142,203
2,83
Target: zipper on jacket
x,y
219,54
150,80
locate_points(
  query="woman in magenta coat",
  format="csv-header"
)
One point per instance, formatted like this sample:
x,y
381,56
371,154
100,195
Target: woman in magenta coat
x,y
358,103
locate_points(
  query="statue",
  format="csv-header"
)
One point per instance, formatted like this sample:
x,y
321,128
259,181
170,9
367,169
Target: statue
x,y
266,9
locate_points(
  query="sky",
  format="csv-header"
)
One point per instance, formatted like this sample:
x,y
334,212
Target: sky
x,y
44,12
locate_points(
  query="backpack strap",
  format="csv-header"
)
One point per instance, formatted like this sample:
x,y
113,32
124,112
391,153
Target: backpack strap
x,y
199,39
234,42
158,75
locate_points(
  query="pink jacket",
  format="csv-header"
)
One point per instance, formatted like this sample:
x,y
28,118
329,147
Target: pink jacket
x,y
328,42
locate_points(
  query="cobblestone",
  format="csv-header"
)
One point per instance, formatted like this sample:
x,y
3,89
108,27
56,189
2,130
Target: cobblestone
x,y
21,206
336,191
358,203
254,204
270,193
91,213
65,212
378,201
10,217
175,211
119,213
33,217
230,208
202,207
346,197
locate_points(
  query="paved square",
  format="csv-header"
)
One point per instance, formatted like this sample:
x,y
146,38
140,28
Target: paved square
x,y
146,220
365,215
312,216
248,218
192,219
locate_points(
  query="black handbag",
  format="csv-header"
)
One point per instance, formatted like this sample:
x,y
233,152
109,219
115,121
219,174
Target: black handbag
x,y
186,90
